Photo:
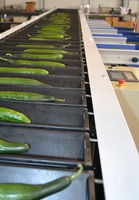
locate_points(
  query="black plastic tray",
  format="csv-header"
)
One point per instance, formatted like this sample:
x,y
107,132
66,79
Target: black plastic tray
x,y
24,36
51,116
12,45
81,188
10,39
62,71
18,51
53,147
67,62
52,80
72,98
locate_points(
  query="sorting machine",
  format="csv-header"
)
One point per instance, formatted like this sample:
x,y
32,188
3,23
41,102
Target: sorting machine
x,y
88,128
60,132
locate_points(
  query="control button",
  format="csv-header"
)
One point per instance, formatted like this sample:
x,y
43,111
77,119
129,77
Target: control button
x,y
121,81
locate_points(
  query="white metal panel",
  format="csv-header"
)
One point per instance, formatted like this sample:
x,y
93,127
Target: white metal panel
x,y
118,154
107,30
101,26
109,40
118,56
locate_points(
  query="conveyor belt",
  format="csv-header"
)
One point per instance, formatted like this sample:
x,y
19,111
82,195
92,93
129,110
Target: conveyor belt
x,y
60,133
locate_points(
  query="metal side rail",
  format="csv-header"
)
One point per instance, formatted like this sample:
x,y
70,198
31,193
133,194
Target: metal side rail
x,y
118,154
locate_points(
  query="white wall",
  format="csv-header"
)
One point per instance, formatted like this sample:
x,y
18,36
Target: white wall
x,y
105,3
133,4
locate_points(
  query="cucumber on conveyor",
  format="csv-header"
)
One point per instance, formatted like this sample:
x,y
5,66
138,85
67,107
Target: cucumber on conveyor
x,y
55,28
23,70
10,115
28,96
59,51
60,22
20,191
20,81
7,147
41,46
52,38
51,29
38,56
50,35
33,62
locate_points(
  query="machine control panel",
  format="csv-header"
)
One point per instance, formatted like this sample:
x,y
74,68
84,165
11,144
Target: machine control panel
x,y
128,76
125,81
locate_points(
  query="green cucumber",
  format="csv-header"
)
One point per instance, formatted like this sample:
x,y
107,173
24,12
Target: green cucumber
x,y
39,56
33,62
23,70
49,30
60,22
58,25
54,27
13,147
59,51
27,96
36,46
52,36
20,81
47,38
10,115
20,191
40,46
51,33
55,30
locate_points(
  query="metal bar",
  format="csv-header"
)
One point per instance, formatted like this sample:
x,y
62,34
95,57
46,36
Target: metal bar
x,y
109,40
118,154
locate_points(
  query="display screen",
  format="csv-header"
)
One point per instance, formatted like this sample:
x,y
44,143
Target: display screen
x,y
117,75
128,76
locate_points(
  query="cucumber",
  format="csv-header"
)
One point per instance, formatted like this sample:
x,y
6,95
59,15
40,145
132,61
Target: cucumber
x,y
60,22
13,147
59,51
20,81
51,36
51,33
10,115
40,46
47,38
39,56
27,96
54,27
23,70
57,26
33,62
51,29
19,191
36,46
